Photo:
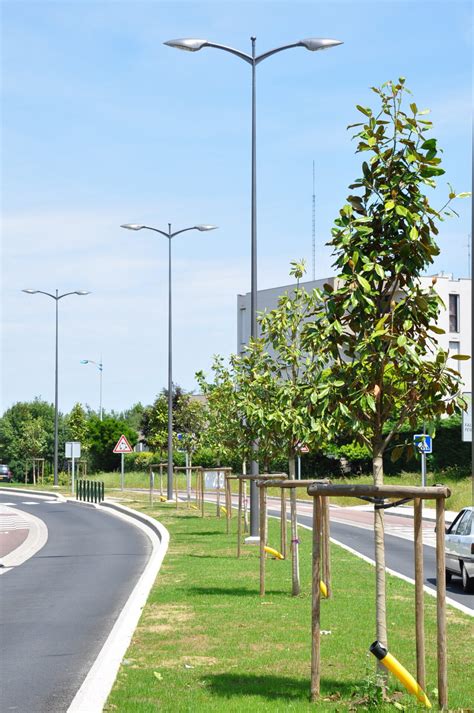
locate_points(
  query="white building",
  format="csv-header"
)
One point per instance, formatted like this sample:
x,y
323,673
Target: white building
x,y
455,319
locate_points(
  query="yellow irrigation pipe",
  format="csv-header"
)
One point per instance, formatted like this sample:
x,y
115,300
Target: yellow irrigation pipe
x,y
273,552
391,663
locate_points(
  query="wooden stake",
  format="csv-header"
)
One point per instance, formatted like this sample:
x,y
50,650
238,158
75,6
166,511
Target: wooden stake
x,y
441,605
218,495
227,504
283,522
203,480
326,546
419,594
263,538
316,601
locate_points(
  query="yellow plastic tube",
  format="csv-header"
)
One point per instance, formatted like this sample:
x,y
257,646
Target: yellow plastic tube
x,y
162,498
224,510
323,589
395,667
273,552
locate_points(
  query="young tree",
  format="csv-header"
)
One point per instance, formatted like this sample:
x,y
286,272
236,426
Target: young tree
x,y
378,325
274,377
102,436
77,426
13,435
226,431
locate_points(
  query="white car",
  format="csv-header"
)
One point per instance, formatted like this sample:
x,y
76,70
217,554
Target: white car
x,y
460,549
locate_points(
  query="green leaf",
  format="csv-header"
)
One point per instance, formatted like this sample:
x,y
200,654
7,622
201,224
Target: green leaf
x,y
436,330
400,210
463,195
372,141
414,108
402,340
380,271
363,283
414,233
389,205
364,110
460,357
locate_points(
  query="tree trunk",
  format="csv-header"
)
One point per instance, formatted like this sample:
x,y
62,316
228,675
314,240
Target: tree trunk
x,y
295,561
380,594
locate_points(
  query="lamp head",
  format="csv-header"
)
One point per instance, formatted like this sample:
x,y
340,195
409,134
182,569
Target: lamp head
x,y
206,227
316,43
81,292
188,45
84,361
30,292
132,226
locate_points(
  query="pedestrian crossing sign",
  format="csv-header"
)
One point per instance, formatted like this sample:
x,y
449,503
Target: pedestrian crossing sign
x,y
423,442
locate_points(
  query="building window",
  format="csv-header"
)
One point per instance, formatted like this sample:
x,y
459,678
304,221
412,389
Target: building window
x,y
454,313
454,347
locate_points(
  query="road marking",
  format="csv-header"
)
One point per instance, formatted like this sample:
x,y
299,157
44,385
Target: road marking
x,y
36,539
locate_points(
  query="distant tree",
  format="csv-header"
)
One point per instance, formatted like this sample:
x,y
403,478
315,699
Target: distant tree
x,y
188,420
77,427
102,436
378,325
16,427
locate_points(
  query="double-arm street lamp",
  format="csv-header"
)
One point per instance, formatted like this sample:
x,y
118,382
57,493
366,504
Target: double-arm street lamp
x,y
56,297
170,236
194,45
100,367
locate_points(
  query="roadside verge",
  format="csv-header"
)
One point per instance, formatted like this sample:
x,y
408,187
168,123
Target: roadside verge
x,y
93,694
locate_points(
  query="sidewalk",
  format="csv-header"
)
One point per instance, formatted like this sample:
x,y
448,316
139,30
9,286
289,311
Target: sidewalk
x,y
406,511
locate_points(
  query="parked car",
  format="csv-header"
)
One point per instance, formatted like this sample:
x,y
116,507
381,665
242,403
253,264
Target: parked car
x,y
460,549
5,473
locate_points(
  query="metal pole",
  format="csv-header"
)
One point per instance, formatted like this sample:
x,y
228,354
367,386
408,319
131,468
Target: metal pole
x,y
122,472
254,504
299,467
423,461
56,482
100,404
170,377
72,472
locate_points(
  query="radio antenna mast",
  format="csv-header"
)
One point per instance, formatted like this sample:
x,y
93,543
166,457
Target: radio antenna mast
x,y
314,230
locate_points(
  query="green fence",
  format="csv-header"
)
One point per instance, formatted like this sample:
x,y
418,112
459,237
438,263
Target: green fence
x,y
90,491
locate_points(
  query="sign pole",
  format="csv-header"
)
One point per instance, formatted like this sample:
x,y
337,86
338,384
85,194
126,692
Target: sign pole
x,y
72,473
122,471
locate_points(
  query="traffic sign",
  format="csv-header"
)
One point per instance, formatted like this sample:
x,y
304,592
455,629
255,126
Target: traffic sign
x,y
467,418
123,446
423,442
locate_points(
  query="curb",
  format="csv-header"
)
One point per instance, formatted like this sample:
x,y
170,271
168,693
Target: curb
x,y
34,493
95,689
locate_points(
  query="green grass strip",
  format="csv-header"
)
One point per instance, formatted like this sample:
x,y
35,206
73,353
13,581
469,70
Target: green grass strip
x,y
206,641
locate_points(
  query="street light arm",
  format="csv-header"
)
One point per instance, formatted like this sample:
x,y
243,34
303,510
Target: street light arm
x,y
157,230
263,56
66,294
41,292
231,50
177,232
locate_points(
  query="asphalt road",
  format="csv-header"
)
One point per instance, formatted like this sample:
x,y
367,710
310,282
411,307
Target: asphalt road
x,y
58,607
398,554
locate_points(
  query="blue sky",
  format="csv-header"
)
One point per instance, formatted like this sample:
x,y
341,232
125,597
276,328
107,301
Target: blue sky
x,y
102,124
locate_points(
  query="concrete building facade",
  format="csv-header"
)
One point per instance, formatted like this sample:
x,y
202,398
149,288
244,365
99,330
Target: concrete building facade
x,y
455,318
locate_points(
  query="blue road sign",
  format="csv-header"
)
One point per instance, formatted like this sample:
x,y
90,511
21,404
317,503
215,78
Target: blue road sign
x,y
423,442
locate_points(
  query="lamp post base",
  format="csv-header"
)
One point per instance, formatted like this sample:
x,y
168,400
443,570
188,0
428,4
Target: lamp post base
x,y
252,540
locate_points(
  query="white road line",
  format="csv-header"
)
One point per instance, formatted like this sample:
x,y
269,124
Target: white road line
x,y
36,539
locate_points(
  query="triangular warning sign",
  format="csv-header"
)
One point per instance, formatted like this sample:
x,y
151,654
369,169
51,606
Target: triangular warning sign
x,y
123,446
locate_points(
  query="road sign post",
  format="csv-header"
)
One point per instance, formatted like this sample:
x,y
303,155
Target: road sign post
x,y
424,444
122,446
72,450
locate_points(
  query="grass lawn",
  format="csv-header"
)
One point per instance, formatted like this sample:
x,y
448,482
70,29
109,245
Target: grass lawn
x,y
206,641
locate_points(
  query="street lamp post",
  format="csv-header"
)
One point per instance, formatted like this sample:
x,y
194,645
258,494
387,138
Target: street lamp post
x,y
100,367
194,45
56,297
170,236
